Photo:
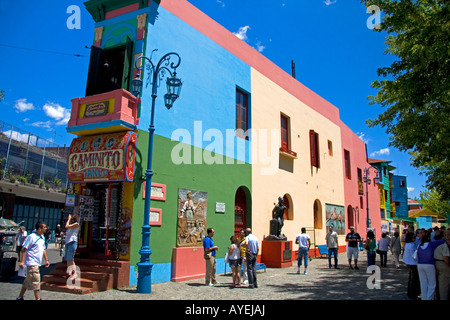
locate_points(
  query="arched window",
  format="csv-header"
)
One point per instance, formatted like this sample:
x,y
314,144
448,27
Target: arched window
x,y
318,224
289,212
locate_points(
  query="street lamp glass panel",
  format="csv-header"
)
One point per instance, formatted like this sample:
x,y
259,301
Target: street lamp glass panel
x,y
136,86
174,86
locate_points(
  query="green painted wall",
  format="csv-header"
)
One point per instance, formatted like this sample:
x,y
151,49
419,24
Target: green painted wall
x,y
219,181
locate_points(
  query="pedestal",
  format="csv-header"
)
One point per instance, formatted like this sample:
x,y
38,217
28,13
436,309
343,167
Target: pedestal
x,y
277,254
188,263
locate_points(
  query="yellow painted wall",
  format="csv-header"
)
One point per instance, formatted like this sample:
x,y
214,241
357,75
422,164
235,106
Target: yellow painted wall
x,y
306,183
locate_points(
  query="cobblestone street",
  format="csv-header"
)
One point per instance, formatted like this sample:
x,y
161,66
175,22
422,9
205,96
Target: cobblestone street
x,y
321,283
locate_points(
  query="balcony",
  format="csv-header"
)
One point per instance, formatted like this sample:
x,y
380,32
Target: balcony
x,y
113,111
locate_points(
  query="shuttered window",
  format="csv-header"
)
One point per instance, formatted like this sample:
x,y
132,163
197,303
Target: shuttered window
x,y
314,148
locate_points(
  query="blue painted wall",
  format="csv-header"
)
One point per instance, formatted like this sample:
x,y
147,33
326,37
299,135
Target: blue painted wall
x,y
210,76
400,194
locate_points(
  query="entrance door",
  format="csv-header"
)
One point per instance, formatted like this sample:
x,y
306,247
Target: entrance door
x,y
99,209
240,211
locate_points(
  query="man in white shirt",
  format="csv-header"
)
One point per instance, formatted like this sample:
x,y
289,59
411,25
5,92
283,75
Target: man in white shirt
x,y
32,252
332,246
251,241
304,243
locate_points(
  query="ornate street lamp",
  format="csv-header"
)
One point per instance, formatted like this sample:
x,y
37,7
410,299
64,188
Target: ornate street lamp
x,y
367,180
156,74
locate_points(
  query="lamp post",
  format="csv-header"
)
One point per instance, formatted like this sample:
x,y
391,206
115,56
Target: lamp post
x,y
367,180
156,74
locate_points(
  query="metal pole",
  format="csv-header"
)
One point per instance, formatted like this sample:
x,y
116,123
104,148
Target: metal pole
x,y
145,266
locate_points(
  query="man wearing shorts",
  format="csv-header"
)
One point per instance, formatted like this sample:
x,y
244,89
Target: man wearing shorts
x,y
32,252
352,239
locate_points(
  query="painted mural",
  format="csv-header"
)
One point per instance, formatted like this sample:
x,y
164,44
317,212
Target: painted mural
x,y
335,217
192,209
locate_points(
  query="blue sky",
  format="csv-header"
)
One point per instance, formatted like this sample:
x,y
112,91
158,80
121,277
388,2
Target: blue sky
x,y
335,54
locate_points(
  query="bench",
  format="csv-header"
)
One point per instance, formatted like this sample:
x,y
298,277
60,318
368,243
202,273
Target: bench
x,y
322,250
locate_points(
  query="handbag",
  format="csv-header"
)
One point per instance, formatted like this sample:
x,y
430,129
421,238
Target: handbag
x,y
226,260
378,251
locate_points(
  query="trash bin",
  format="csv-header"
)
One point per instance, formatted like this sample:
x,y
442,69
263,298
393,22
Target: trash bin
x,y
7,265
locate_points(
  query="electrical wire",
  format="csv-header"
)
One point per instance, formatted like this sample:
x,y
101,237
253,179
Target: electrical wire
x,y
45,51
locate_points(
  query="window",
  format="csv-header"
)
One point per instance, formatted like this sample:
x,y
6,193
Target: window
x,y
110,69
284,132
402,183
241,114
348,174
330,148
314,148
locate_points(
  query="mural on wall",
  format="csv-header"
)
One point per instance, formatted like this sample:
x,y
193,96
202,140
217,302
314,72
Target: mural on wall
x,y
192,207
335,217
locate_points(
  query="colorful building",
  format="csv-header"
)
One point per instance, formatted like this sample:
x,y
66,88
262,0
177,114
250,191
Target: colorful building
x,y
242,134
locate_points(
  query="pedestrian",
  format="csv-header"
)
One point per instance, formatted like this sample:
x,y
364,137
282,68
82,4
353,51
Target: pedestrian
x,y
210,258
20,239
234,258
72,227
370,245
396,248
252,244
47,236
442,259
383,246
413,288
58,236
304,243
32,252
243,247
424,256
353,238
332,246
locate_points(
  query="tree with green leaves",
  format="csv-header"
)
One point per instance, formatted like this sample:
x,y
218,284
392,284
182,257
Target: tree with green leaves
x,y
432,201
415,89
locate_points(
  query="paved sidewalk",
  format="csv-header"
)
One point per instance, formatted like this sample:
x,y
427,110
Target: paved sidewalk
x,y
281,284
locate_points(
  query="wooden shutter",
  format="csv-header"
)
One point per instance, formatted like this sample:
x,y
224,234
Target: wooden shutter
x,y
313,148
128,65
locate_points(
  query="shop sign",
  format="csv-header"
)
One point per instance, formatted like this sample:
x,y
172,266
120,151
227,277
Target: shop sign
x,y
109,157
96,109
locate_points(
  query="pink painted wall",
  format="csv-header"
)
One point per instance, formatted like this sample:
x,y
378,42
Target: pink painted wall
x,y
351,142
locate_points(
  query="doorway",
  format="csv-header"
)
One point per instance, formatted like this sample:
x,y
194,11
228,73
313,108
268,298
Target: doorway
x,y
99,213
240,211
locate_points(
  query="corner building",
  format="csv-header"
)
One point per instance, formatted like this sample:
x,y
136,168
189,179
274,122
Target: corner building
x,y
241,134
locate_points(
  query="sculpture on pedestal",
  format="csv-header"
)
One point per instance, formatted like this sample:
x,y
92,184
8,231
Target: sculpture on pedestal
x,y
277,222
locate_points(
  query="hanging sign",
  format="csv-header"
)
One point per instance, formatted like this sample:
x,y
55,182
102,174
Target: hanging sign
x,y
108,157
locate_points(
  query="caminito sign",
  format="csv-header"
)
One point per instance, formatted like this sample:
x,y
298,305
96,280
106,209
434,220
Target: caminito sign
x,y
109,157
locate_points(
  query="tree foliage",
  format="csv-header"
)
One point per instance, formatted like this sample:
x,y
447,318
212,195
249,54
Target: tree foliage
x,y
432,201
415,89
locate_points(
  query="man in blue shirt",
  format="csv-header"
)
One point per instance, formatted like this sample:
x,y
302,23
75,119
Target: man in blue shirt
x,y
210,258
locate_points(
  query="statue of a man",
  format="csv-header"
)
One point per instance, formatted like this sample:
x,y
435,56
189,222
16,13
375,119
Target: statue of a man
x,y
278,216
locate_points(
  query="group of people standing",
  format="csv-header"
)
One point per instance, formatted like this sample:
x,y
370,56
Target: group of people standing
x,y
243,251
428,263
32,248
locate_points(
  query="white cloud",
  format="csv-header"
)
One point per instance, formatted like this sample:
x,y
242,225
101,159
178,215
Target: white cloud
x,y
260,47
22,106
55,111
242,33
42,124
362,136
410,189
221,2
381,152
329,2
